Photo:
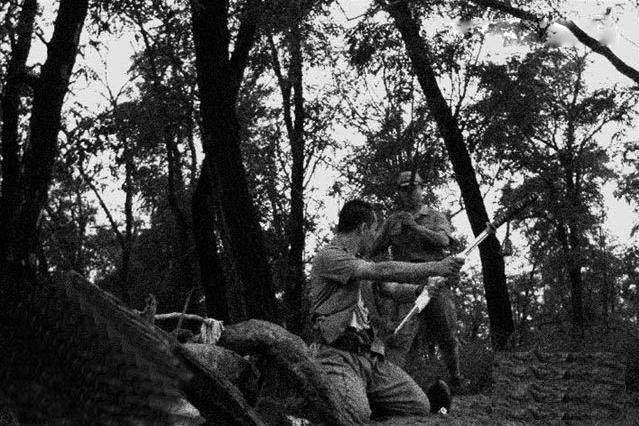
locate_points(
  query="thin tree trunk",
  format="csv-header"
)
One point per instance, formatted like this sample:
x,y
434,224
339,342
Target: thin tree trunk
x,y
219,79
297,234
81,222
576,290
606,292
573,235
573,268
192,151
48,96
125,267
576,280
175,195
499,310
295,129
105,209
175,184
10,201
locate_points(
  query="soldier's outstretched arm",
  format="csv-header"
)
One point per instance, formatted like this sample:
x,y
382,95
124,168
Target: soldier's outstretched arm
x,y
405,272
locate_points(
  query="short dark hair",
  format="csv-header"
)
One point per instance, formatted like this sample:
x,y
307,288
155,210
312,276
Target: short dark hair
x,y
354,213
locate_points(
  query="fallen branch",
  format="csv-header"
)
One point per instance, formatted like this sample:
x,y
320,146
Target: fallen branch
x,y
210,329
178,315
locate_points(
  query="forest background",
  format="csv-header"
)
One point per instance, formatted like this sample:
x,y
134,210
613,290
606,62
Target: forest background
x,y
203,151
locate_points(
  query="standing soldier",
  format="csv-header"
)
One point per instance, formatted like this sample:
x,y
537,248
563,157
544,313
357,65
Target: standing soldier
x,y
418,233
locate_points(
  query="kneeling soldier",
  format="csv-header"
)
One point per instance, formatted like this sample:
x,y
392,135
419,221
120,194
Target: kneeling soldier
x,y
347,344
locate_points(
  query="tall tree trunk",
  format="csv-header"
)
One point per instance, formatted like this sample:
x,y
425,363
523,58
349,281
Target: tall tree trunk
x,y
293,85
576,290
175,184
212,276
48,96
81,224
219,79
175,196
10,201
607,287
573,268
125,267
297,234
499,310
576,280
574,234
190,138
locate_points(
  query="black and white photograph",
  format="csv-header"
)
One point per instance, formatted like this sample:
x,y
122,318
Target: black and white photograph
x,y
319,212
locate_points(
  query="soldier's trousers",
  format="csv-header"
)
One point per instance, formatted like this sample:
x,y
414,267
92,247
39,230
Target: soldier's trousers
x,y
436,324
369,384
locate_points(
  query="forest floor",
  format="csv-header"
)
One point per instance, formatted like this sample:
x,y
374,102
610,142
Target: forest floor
x,y
535,387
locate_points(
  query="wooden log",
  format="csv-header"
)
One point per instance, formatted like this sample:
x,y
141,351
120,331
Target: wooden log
x,y
230,365
291,355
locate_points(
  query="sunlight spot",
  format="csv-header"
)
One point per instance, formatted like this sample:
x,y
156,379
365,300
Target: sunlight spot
x,y
558,35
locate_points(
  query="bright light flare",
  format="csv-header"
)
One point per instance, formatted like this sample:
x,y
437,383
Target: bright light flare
x,y
608,35
558,35
464,26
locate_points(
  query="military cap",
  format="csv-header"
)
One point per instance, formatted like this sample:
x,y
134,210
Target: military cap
x,y
404,179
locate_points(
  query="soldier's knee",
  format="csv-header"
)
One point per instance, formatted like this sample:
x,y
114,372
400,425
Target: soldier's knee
x,y
448,342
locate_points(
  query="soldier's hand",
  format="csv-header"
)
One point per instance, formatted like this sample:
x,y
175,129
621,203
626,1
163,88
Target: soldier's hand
x,y
450,265
393,340
436,282
395,222
410,222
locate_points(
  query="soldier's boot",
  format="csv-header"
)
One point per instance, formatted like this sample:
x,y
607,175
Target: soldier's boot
x,y
439,397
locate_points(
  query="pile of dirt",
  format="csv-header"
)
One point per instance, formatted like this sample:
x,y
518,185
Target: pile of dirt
x,y
545,388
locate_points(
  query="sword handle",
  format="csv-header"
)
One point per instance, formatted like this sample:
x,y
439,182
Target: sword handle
x,y
420,304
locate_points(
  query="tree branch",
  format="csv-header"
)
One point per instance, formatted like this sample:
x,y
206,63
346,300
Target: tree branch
x,y
285,87
114,225
243,43
580,34
603,50
179,316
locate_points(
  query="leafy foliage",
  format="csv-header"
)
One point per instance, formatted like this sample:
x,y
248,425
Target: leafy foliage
x,y
531,123
540,119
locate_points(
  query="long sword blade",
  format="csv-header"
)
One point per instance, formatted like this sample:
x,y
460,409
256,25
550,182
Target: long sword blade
x,y
411,314
481,237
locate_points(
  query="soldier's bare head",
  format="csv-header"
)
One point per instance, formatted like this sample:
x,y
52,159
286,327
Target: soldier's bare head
x,y
357,219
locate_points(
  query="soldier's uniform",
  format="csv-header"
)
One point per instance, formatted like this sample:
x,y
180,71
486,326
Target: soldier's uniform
x,y
346,343
437,323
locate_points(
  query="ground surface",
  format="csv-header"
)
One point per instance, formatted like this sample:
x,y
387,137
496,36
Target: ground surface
x,y
545,388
